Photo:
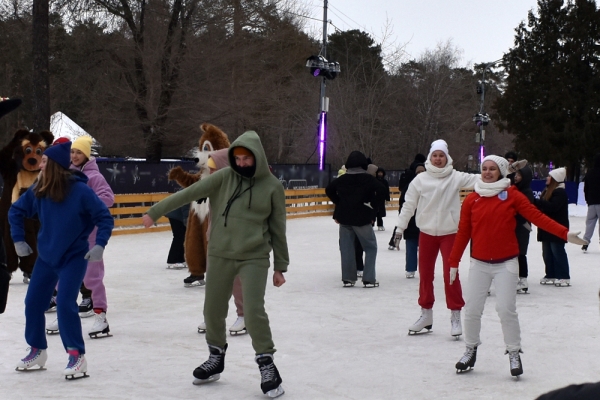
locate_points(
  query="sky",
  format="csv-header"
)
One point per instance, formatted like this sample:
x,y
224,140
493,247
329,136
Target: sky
x,y
483,29
332,342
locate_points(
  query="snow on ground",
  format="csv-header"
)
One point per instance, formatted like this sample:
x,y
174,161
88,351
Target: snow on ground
x,y
333,342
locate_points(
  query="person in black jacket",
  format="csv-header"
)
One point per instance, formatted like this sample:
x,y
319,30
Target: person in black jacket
x,y
591,190
522,181
380,201
353,193
554,202
411,233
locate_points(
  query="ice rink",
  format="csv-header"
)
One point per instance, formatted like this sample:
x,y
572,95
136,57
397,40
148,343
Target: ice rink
x,y
333,342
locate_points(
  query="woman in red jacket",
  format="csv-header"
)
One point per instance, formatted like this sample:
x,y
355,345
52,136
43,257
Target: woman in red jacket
x,y
487,219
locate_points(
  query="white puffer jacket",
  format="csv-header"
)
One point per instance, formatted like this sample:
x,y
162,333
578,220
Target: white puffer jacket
x,y
435,196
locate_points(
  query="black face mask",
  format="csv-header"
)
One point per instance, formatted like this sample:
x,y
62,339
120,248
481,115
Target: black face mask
x,y
247,172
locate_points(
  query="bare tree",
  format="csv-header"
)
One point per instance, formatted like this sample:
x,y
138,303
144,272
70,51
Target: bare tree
x,y
41,78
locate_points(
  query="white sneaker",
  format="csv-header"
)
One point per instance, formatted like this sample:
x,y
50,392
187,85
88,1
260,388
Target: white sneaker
x,y
77,365
239,326
35,357
425,321
562,282
456,330
100,326
52,327
202,327
522,285
410,274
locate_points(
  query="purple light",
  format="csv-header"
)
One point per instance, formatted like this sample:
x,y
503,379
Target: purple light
x,y
551,166
322,139
317,72
481,154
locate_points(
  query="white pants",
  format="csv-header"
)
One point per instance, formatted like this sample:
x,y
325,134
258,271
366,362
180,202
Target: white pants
x,y
505,276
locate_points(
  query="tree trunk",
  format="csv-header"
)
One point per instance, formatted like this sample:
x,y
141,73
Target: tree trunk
x,y
41,80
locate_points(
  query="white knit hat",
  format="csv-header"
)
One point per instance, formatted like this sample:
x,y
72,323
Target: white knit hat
x,y
559,174
439,144
501,162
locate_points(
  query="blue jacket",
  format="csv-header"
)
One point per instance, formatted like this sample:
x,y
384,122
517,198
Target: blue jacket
x,y
65,226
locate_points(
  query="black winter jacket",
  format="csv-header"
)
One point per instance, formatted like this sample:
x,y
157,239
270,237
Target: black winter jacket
x,y
591,185
381,199
557,208
521,230
349,193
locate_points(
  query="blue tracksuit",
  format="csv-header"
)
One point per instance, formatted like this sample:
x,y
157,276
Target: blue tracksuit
x,y
62,244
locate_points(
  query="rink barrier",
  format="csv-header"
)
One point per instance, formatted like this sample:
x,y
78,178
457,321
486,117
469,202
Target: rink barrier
x,y
299,203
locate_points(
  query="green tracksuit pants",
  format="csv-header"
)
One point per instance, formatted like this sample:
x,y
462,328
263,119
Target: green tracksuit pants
x,y
219,285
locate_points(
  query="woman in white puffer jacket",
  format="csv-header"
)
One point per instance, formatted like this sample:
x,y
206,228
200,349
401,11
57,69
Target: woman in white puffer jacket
x,y
435,197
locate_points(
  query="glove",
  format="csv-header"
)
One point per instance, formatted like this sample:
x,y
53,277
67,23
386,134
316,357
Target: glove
x,y
453,273
517,165
95,253
572,237
23,249
397,239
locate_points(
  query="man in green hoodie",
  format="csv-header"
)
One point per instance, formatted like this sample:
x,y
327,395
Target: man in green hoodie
x,y
248,221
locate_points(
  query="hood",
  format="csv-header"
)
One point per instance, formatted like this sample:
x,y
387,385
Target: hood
x,y
221,158
90,165
356,159
80,177
380,170
526,178
250,141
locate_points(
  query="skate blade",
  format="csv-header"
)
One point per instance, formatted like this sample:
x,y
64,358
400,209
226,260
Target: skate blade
x,y
349,284
371,285
42,368
50,332
520,291
457,337
213,378
99,335
462,371
237,333
194,284
421,332
201,330
75,377
275,392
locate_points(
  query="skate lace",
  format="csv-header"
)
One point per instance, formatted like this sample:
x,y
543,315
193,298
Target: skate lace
x,y
515,360
73,360
211,363
33,353
267,372
467,356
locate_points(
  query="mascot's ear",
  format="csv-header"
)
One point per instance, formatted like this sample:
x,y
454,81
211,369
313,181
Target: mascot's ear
x,y
21,134
48,137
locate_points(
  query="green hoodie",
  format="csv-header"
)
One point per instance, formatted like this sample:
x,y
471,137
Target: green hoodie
x,y
248,214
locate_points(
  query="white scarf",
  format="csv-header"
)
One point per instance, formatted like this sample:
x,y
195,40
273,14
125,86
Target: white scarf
x,y
491,189
438,172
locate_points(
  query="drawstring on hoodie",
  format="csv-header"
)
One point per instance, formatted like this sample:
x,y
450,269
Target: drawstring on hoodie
x,y
236,194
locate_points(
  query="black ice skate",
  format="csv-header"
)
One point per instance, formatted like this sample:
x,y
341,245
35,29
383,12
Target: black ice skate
x,y
516,367
86,307
270,381
26,277
370,284
52,305
348,283
194,280
211,369
467,362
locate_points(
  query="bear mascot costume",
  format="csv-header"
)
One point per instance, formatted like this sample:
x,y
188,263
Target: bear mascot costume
x,y
195,243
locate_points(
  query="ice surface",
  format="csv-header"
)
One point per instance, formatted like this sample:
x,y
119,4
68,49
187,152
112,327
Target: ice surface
x,y
333,342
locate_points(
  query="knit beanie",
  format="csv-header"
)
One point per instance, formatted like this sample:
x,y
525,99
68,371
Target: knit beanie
x,y
372,169
441,145
83,144
501,162
559,174
60,154
242,151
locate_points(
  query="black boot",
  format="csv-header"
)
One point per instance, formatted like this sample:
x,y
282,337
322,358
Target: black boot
x,y
516,367
270,381
468,360
211,369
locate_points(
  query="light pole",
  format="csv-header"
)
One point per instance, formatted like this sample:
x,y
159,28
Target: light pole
x,y
482,118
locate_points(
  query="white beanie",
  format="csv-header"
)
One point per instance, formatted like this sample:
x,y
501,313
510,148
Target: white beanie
x,y
439,144
501,162
559,174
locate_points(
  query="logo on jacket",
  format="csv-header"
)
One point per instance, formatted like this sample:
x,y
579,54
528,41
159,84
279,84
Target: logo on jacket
x,y
503,195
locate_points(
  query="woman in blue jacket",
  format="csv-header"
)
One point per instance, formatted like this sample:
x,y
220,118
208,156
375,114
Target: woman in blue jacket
x,y
68,211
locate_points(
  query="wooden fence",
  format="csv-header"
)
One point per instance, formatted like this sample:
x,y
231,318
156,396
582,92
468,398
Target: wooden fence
x,y
300,203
